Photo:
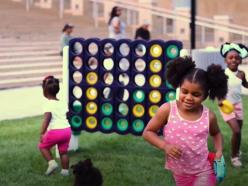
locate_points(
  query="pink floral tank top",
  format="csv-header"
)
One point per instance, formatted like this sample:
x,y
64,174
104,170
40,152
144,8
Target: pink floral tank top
x,y
191,137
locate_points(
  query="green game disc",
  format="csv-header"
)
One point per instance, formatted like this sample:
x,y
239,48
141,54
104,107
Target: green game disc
x,y
106,123
107,109
77,106
123,109
76,121
170,96
122,125
138,96
172,51
138,125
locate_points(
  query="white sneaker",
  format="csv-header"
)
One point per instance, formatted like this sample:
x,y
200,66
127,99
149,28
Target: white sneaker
x,y
64,172
236,162
52,166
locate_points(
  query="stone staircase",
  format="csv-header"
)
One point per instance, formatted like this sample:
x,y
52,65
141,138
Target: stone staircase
x,y
26,63
29,43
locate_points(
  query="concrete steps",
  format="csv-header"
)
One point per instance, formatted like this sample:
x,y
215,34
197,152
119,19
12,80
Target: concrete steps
x,y
27,63
29,42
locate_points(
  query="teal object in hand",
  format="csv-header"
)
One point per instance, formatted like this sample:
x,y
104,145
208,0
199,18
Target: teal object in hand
x,y
220,169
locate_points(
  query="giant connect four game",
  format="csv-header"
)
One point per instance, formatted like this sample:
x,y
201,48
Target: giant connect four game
x,y
117,86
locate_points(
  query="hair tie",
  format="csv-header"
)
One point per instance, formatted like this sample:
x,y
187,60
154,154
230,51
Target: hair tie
x,y
241,49
48,77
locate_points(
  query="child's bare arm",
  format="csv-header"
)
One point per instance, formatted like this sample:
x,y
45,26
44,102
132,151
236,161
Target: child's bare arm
x,y
156,123
243,78
215,133
45,123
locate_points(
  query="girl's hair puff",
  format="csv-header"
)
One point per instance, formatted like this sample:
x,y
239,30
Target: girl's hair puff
x,y
217,81
176,70
50,85
213,81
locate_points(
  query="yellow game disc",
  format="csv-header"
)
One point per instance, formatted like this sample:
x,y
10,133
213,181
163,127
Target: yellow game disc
x,y
155,80
138,110
91,122
152,110
91,78
156,50
226,107
155,66
91,93
91,107
155,96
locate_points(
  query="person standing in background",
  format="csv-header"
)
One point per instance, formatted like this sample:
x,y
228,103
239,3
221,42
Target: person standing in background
x,y
233,54
143,31
116,27
65,37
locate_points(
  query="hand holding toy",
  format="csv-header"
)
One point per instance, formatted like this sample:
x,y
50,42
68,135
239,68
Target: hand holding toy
x,y
226,107
220,169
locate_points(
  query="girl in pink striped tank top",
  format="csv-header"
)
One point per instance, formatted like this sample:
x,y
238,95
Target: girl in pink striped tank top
x,y
187,123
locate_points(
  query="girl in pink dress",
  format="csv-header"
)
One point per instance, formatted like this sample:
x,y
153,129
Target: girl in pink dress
x,y
187,123
233,54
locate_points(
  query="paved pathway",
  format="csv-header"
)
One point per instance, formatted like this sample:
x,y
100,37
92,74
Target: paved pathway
x,y
21,102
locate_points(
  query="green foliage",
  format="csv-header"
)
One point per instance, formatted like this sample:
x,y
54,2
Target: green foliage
x,y
123,160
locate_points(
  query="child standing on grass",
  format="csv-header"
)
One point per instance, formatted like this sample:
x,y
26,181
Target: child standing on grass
x,y
55,128
233,54
187,123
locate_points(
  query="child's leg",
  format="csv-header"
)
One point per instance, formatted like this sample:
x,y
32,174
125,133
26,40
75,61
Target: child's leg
x,y
64,164
63,148
64,160
240,122
205,180
52,164
48,141
235,121
46,153
236,136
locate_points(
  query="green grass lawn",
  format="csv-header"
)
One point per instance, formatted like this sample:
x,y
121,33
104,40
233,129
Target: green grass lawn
x,y
123,160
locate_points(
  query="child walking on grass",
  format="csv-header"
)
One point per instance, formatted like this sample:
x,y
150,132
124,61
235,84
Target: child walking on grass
x,y
55,129
233,54
187,123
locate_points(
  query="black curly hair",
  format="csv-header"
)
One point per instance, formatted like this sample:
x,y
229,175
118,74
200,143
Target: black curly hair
x,y
213,81
50,86
113,14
